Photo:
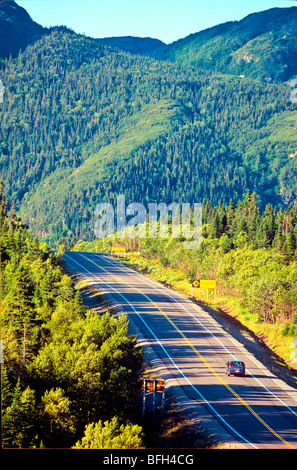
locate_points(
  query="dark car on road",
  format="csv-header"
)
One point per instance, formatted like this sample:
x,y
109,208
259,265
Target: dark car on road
x,y
235,368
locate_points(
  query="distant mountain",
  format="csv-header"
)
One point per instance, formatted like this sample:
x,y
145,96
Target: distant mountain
x,y
17,29
262,45
132,44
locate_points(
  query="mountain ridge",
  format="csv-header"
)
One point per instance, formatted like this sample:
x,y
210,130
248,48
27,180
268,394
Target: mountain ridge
x,y
17,29
219,48
16,23
261,45
132,44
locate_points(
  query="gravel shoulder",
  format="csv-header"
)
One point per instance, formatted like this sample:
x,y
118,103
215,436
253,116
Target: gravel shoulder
x,y
254,345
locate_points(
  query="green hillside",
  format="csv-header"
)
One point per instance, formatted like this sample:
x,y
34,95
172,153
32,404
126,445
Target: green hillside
x,y
262,45
82,123
72,189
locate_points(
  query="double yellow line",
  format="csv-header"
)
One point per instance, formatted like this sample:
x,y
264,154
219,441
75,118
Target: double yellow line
x,y
198,354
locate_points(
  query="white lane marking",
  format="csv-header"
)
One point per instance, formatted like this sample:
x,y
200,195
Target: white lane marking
x,y
198,321
167,354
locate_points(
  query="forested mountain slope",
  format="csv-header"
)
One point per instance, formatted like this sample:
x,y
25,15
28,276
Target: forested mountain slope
x,y
82,123
262,45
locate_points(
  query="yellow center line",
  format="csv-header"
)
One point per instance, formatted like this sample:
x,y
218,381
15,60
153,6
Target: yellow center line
x,y
196,352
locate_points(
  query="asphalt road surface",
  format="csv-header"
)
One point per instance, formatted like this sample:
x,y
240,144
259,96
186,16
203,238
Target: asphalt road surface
x,y
258,410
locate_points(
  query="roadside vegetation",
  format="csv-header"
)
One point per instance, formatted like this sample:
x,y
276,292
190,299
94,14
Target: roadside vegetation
x,y
71,371
252,255
70,376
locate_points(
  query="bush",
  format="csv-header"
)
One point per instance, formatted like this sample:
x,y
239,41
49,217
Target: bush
x,y
111,435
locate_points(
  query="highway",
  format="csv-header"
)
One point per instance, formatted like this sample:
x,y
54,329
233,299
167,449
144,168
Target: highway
x,y
258,411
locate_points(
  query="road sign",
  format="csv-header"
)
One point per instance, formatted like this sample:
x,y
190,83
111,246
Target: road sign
x,y
153,384
150,388
196,283
118,249
208,283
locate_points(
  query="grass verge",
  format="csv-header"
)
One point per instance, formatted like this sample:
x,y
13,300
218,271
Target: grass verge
x,y
270,334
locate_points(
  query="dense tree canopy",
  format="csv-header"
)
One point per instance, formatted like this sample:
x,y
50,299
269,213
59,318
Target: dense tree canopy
x,y
65,367
81,123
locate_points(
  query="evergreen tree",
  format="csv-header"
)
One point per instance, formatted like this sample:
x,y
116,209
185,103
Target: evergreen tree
x,y
111,435
20,419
